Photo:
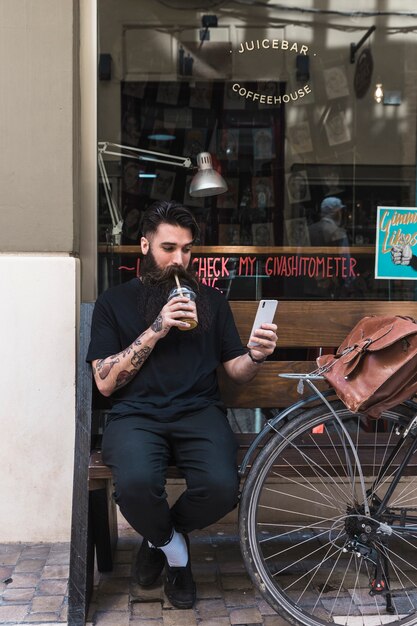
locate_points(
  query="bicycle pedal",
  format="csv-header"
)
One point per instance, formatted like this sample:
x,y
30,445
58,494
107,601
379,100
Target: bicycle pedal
x,y
378,587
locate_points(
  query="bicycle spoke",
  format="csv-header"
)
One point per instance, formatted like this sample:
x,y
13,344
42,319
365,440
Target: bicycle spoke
x,y
319,497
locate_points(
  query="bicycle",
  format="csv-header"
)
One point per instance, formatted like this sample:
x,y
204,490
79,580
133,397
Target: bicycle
x,y
328,514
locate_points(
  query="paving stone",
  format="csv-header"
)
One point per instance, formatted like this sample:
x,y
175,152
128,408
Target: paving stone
x,y
239,598
122,570
30,565
19,596
211,608
145,622
245,616
112,618
36,552
10,553
146,610
5,572
64,614
124,556
217,621
275,620
55,571
113,602
236,582
47,604
232,567
116,585
179,617
58,558
208,590
24,580
264,607
52,587
146,595
12,613
42,618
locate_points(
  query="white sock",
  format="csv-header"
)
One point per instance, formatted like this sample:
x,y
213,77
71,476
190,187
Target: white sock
x,y
176,551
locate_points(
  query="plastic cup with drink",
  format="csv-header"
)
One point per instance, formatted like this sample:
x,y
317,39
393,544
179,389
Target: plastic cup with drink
x,y
186,292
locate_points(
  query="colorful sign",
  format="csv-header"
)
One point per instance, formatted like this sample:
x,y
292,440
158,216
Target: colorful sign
x,y
396,243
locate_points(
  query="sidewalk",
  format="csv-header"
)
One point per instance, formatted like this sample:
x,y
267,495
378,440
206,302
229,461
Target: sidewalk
x,y
33,586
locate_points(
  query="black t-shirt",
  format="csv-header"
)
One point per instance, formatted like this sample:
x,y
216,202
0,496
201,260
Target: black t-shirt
x,y
179,376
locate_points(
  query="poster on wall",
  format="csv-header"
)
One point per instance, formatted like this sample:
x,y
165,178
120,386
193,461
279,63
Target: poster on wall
x,y
396,243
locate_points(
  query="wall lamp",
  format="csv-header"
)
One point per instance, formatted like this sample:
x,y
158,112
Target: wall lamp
x,y
206,182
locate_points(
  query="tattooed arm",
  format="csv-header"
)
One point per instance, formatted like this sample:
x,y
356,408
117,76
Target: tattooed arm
x,y
117,370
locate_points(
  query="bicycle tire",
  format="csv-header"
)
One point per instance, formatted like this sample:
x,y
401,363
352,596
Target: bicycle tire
x,y
300,508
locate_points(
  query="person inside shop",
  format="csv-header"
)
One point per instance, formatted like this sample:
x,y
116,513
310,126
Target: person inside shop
x,y
328,231
165,399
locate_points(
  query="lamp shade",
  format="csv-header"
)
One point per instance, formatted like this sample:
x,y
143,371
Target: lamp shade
x,y
207,182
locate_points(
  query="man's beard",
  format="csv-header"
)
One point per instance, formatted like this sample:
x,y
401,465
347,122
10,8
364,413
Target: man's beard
x,y
158,282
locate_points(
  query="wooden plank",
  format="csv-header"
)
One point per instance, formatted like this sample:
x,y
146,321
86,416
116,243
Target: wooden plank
x,y
82,552
320,323
267,390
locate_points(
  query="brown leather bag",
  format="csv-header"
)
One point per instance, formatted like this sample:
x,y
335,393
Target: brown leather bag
x,y
375,368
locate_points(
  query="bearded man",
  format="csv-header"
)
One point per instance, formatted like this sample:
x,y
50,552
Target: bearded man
x,y
165,399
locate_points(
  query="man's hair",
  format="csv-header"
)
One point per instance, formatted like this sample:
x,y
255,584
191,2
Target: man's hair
x,y
163,212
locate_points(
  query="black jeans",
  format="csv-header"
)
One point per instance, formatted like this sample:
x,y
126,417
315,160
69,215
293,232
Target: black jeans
x,y
202,446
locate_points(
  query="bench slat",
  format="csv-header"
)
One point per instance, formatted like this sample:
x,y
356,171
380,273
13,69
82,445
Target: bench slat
x,y
320,323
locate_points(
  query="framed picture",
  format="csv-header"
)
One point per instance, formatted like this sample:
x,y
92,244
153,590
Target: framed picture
x,y
296,231
263,234
335,82
337,130
262,192
163,185
300,138
263,143
297,187
229,234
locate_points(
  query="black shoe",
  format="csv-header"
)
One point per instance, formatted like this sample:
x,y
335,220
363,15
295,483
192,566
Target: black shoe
x,y
149,565
179,584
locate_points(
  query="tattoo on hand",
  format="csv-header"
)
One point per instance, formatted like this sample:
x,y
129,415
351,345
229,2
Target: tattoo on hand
x,y
140,357
157,325
104,367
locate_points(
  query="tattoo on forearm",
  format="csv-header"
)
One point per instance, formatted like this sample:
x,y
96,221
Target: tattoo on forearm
x,y
104,367
124,377
138,341
140,357
157,325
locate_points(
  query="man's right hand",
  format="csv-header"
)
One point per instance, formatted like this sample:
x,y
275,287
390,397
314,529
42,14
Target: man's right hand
x,y
174,314
401,255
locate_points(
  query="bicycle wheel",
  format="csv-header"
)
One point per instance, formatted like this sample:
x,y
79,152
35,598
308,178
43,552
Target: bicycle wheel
x,y
306,540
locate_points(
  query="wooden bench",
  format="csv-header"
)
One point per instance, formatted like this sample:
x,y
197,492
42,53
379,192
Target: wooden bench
x,y
302,327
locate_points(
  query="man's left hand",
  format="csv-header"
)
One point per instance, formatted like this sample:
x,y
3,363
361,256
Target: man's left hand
x,y
265,339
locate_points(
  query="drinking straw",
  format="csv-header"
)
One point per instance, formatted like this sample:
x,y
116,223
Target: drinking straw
x,y
178,284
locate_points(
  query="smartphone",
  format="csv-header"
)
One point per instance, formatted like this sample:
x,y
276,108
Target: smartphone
x,y
264,315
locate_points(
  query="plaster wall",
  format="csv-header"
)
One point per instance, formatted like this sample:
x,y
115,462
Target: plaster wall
x,y
39,271
38,318
37,42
